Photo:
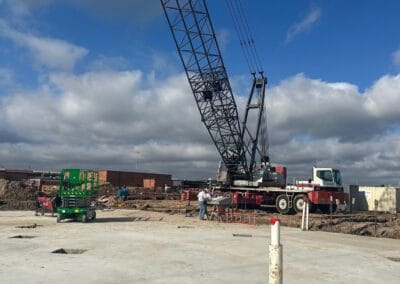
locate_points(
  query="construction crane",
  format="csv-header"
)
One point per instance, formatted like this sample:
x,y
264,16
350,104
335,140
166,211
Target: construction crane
x,y
237,143
240,144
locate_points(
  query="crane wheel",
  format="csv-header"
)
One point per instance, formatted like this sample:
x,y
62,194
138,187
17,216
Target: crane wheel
x,y
298,203
282,204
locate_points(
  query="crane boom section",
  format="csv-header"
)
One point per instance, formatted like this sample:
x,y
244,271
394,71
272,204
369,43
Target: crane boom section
x,y
195,39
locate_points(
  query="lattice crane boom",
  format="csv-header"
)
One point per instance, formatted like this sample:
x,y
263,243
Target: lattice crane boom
x,y
195,39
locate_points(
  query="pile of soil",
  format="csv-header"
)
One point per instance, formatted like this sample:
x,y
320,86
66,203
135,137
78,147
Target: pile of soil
x,y
373,224
16,195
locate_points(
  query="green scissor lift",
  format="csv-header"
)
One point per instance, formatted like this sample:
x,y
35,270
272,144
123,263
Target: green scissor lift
x,y
78,191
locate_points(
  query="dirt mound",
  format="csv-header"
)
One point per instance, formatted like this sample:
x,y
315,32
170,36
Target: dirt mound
x,y
16,195
373,224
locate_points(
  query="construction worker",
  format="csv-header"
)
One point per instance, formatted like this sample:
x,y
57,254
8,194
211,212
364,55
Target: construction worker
x,y
122,193
201,197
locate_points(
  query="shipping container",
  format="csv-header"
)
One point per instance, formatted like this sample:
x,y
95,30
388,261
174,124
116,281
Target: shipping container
x,y
378,198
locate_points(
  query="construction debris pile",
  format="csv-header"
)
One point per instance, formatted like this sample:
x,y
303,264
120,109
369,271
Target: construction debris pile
x,y
16,195
373,224
107,196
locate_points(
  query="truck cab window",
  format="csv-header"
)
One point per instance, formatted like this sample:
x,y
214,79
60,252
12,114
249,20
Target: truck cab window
x,y
337,177
325,175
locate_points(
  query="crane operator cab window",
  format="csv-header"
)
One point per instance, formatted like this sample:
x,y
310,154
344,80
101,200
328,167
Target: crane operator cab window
x,y
336,176
330,176
325,175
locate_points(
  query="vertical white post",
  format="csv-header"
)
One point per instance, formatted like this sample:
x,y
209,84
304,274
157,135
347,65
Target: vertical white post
x,y
275,254
303,216
307,206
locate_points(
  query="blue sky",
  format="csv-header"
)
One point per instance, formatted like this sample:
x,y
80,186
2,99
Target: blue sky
x,y
333,69
351,41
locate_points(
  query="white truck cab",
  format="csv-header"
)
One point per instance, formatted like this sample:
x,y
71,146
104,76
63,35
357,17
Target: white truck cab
x,y
326,177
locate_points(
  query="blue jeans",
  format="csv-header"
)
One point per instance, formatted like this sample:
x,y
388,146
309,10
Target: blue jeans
x,y
202,209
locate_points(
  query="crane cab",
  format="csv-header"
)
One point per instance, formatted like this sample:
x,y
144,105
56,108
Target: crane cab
x,y
327,177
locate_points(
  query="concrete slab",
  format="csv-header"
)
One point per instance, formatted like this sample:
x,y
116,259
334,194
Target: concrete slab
x,y
128,246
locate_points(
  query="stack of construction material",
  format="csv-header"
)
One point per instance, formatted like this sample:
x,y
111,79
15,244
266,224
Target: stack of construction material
x,y
221,200
16,195
106,201
106,188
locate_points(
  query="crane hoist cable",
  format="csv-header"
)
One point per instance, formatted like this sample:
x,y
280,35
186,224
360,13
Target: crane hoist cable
x,y
243,42
251,38
252,58
246,39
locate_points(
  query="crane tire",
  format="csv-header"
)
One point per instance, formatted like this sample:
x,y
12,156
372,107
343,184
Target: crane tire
x,y
298,203
282,204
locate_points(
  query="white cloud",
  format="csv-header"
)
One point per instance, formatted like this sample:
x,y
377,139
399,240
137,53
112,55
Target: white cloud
x,y
383,97
46,52
20,8
115,119
305,24
373,161
109,63
106,118
396,58
301,106
104,100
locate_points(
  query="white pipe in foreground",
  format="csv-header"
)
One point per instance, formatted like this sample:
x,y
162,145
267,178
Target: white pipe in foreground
x,y
275,254
307,205
305,215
